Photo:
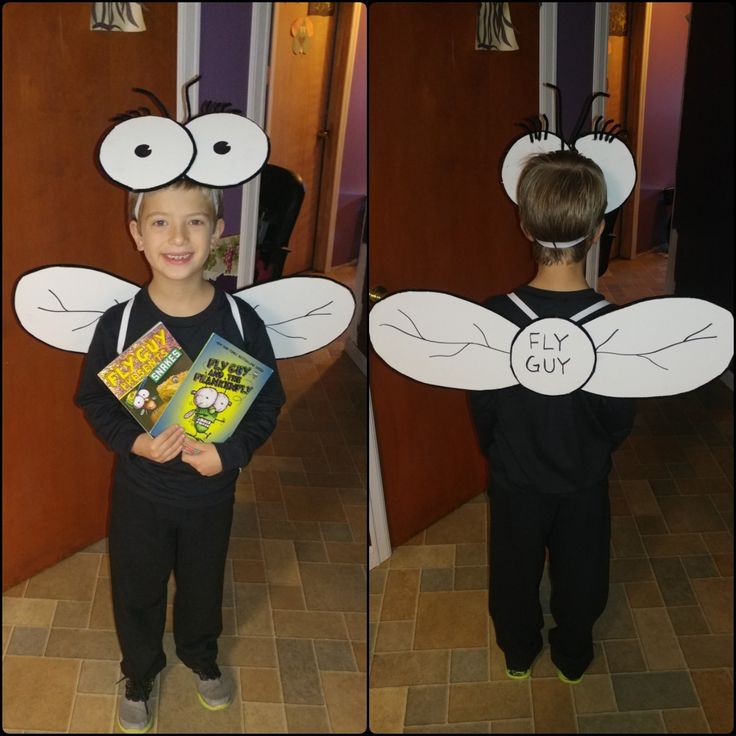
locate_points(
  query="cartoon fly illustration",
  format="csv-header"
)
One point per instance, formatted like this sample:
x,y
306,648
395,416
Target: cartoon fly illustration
x,y
141,400
209,404
655,347
218,148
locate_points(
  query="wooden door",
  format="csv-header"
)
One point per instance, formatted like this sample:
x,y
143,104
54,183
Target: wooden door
x,y
441,117
298,99
61,85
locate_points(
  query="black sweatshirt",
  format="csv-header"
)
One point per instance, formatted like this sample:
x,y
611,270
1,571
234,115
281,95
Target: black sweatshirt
x,y
549,444
175,482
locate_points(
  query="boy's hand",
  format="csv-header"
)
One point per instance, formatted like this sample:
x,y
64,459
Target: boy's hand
x,y
163,448
202,456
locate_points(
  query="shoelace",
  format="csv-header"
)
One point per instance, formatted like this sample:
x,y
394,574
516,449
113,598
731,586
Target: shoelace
x,y
137,690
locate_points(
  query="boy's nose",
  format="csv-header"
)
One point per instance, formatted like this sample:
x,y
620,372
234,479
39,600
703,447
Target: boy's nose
x,y
178,234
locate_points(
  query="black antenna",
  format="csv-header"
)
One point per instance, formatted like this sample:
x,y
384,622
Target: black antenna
x,y
584,112
158,102
186,92
558,109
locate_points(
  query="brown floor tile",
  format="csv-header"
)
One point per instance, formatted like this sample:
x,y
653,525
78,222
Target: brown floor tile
x,y
446,620
426,704
654,690
397,669
71,579
707,651
489,701
552,701
715,690
24,678
715,596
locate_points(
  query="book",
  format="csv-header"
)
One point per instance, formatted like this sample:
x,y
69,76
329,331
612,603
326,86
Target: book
x,y
147,375
220,387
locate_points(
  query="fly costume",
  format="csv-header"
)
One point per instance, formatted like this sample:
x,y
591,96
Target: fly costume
x,y
553,376
167,516
549,459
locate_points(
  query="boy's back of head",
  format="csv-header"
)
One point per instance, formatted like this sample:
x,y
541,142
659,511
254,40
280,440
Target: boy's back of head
x,y
562,198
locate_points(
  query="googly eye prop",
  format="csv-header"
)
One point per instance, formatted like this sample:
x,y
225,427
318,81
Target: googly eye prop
x,y
602,145
218,148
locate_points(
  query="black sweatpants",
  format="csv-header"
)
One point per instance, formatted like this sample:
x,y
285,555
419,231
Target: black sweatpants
x,y
147,541
576,529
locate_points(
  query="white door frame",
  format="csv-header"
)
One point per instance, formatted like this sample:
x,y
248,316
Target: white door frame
x,y
260,38
380,545
187,66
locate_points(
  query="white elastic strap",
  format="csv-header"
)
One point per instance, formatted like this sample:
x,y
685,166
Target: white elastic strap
x,y
124,325
568,244
236,314
589,310
516,300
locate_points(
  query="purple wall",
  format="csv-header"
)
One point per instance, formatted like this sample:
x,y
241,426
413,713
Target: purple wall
x,y
223,64
353,179
662,112
575,41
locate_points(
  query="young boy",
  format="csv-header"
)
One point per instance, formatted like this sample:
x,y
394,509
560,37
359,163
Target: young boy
x,y
172,502
550,456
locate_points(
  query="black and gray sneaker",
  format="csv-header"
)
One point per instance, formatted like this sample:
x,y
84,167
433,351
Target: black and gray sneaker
x,y
134,715
214,691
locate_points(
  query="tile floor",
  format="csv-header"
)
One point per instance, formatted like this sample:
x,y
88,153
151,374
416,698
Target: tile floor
x,y
627,280
295,618
663,647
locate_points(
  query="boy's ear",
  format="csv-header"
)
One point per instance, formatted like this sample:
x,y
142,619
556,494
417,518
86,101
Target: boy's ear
x,y
526,233
219,227
599,231
136,234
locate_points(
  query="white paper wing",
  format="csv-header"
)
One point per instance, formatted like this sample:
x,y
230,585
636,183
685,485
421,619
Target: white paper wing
x,y
659,347
60,305
302,313
443,340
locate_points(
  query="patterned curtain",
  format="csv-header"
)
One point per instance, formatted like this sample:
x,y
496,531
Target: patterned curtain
x,y
495,30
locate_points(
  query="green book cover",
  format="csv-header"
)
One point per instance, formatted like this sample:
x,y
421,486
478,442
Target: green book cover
x,y
221,386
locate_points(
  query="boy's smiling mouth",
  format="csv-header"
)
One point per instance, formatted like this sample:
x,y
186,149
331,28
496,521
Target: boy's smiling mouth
x,y
177,257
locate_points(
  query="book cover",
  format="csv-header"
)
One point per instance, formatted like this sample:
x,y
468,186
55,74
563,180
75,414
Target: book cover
x,y
147,375
221,386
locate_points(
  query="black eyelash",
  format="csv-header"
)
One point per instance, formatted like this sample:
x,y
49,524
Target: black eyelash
x,y
210,106
140,112
533,126
601,131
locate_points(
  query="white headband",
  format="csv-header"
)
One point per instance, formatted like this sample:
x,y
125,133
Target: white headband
x,y
568,244
138,201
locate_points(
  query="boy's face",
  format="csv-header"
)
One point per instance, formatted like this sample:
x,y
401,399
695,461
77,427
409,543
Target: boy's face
x,y
175,232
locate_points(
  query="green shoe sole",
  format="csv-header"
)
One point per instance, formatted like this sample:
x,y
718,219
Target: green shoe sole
x,y
568,681
205,704
518,674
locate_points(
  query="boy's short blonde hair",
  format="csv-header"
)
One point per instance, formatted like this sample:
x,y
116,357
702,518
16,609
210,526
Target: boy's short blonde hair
x,y
561,196
212,195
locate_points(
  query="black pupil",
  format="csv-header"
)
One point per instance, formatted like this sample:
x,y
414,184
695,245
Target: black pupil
x,y
221,147
143,150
